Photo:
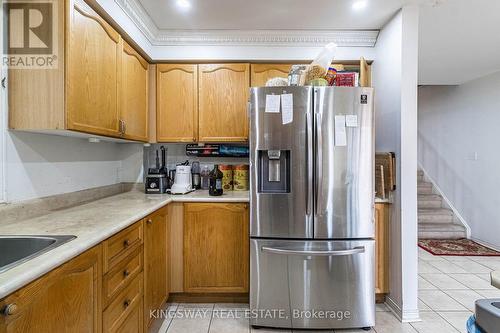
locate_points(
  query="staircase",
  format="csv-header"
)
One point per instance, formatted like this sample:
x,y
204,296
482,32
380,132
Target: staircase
x,y
434,219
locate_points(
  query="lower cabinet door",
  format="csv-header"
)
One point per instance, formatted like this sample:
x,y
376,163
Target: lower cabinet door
x,y
66,299
216,242
155,262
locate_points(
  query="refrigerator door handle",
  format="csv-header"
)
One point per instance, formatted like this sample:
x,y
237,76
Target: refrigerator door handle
x,y
319,160
356,250
309,163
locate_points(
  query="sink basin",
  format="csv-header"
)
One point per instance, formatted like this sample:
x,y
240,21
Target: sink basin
x,y
14,250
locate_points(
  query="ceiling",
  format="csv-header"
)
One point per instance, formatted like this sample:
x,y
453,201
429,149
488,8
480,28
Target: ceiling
x,y
271,14
459,41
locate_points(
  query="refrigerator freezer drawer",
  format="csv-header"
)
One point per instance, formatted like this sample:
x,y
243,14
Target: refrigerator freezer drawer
x,y
312,284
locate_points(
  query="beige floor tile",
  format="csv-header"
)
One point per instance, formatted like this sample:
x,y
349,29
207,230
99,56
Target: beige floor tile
x,y
457,258
425,267
437,300
473,267
381,307
447,267
457,319
485,277
171,308
465,297
489,293
433,323
229,322
442,281
427,256
198,321
472,281
490,262
386,322
423,284
423,307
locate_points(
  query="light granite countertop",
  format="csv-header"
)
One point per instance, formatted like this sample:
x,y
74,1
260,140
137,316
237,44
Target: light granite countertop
x,y
91,223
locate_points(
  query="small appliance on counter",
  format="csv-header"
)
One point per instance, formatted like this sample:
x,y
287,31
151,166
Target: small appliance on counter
x,y
182,183
195,170
156,180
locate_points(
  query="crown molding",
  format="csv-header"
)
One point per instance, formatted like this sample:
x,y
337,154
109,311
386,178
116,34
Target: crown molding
x,y
158,37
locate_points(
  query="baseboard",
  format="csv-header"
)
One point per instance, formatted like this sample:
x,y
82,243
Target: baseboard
x,y
208,298
489,245
407,316
448,202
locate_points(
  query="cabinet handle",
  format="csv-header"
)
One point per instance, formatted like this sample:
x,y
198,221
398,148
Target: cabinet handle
x,y
126,243
126,303
126,273
124,127
10,309
149,221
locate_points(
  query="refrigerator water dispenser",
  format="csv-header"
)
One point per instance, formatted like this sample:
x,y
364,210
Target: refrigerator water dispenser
x,y
274,171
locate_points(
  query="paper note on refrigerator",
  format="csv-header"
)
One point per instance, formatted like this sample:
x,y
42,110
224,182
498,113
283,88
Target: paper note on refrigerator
x,y
286,108
351,120
340,131
273,103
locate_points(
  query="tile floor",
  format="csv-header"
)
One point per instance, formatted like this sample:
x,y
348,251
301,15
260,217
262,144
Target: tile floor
x,y
448,287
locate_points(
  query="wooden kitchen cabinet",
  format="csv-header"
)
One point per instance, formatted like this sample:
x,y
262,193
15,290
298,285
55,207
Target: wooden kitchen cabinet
x,y
99,86
155,262
260,73
382,249
223,97
216,248
67,299
93,69
177,102
134,95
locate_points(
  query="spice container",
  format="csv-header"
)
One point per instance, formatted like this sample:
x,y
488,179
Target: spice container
x,y
227,176
240,177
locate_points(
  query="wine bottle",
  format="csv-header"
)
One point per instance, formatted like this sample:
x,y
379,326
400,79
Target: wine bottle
x,y
215,186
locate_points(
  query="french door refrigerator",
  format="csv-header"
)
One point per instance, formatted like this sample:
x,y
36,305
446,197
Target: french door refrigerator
x,y
311,217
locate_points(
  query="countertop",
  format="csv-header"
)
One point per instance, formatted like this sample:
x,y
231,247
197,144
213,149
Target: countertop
x,y
91,223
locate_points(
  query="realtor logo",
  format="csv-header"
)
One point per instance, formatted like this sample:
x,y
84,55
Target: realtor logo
x,y
31,28
364,99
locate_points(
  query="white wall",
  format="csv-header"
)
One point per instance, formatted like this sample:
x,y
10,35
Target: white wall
x,y
459,148
395,80
39,165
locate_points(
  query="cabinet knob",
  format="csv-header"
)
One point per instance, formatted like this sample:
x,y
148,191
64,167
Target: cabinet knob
x,y
126,273
10,309
126,303
126,243
149,221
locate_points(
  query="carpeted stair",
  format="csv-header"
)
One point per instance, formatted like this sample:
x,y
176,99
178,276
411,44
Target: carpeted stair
x,y
434,220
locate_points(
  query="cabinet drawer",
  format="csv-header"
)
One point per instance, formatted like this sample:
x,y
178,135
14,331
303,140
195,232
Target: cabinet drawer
x,y
123,305
119,246
121,275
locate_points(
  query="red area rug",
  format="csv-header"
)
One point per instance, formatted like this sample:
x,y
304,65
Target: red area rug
x,y
456,247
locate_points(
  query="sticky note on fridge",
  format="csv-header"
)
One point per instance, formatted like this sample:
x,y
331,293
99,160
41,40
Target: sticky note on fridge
x,y
340,131
286,108
351,120
273,103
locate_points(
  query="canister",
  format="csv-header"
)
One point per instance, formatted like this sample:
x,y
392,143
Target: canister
x,y
227,178
240,177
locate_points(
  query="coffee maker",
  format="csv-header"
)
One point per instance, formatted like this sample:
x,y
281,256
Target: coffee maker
x,y
156,179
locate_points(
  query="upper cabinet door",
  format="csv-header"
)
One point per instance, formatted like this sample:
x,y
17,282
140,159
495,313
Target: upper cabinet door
x,y
223,91
177,103
93,67
263,72
134,95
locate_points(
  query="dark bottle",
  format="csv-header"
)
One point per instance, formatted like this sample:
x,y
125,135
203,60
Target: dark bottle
x,y
215,181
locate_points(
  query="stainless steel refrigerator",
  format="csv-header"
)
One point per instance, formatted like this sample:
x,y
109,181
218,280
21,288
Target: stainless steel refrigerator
x,y
311,218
